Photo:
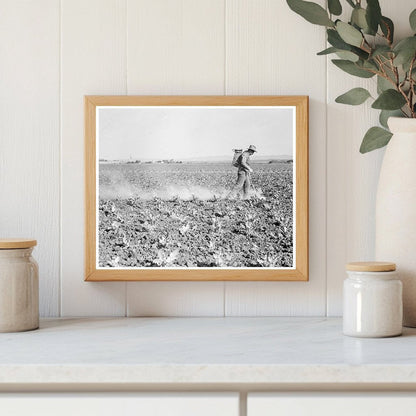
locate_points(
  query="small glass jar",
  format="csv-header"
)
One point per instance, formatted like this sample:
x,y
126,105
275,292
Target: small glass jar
x,y
372,300
19,286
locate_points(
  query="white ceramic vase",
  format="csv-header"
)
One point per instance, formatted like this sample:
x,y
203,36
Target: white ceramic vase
x,y
396,210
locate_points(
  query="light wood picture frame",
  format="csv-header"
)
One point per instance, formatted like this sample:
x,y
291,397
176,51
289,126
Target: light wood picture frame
x,y
146,143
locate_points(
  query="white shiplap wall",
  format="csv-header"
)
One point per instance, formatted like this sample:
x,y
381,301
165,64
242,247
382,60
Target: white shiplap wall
x,y
29,134
56,51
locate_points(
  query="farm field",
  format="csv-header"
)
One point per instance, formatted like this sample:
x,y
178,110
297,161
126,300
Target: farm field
x,y
177,215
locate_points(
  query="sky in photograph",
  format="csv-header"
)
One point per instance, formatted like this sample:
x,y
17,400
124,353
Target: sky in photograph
x,y
181,133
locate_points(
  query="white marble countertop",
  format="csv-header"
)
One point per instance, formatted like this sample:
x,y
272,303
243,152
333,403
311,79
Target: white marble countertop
x,y
186,352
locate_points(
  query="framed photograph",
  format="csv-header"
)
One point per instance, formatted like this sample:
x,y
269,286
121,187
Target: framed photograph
x,y
196,188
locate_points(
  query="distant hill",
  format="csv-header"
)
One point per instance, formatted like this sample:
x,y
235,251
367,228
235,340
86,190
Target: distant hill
x,y
228,158
201,159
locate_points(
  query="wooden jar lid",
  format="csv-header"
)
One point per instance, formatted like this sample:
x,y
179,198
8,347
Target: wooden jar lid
x,y
11,243
371,266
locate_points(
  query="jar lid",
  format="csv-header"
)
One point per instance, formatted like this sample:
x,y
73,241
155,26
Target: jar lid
x,y
371,266
10,243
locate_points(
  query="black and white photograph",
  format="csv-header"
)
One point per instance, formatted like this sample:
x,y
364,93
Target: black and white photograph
x,y
195,186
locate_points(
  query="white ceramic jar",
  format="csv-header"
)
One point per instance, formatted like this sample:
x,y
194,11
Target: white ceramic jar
x,y
372,300
19,286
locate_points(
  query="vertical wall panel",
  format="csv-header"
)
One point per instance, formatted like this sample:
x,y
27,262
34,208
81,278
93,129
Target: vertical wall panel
x,y
29,135
175,47
352,177
93,62
270,50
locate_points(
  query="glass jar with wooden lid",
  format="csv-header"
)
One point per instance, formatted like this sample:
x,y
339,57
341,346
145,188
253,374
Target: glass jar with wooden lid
x,y
372,300
19,286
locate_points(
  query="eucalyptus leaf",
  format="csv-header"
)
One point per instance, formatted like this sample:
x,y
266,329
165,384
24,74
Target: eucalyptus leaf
x,y
352,68
405,50
392,75
334,7
375,138
327,51
406,65
386,114
356,96
387,27
360,52
350,56
373,15
358,18
349,34
347,55
412,20
371,64
311,12
382,50
335,40
405,43
383,84
389,100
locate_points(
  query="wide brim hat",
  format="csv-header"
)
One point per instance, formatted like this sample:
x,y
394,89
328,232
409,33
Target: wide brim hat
x,y
252,147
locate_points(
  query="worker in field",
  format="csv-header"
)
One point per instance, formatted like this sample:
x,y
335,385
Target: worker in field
x,y
241,161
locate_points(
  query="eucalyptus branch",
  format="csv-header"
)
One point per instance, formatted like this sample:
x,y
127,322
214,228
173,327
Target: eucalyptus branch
x,y
406,97
395,71
385,75
369,50
411,82
365,55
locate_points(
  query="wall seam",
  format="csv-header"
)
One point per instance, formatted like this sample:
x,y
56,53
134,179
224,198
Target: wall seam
x,y
326,187
224,295
225,47
243,396
326,179
60,164
126,3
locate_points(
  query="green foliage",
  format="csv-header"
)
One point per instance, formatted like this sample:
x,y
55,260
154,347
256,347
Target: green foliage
x,y
327,51
336,41
405,51
386,114
348,56
366,48
359,19
343,54
381,51
387,27
355,96
383,84
389,100
349,34
412,20
352,68
373,15
334,7
375,138
311,12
